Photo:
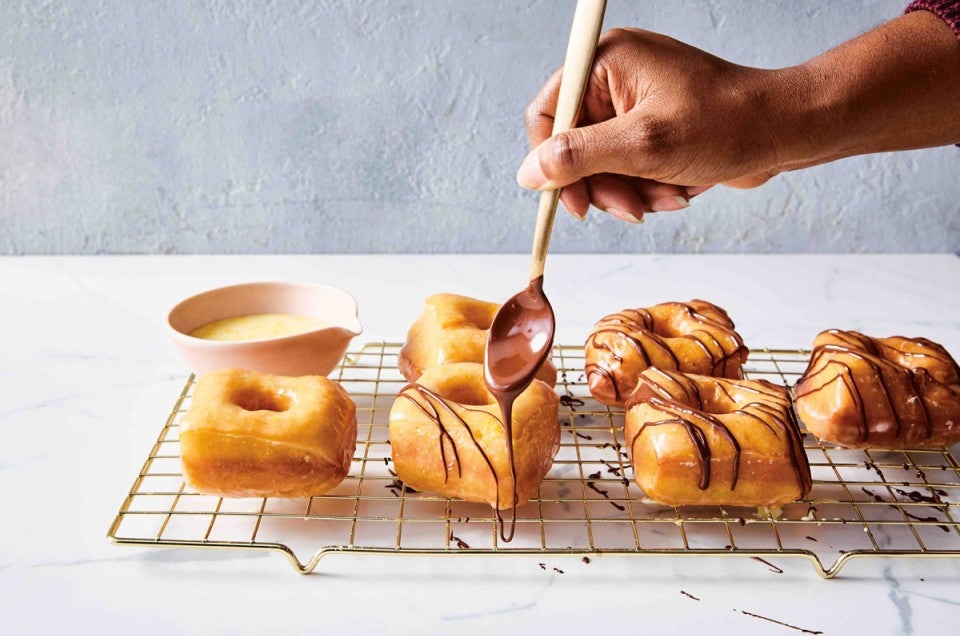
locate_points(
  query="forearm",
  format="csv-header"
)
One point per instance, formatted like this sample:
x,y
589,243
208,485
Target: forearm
x,y
894,88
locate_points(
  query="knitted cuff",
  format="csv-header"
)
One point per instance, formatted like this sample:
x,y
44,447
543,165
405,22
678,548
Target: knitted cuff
x,y
946,10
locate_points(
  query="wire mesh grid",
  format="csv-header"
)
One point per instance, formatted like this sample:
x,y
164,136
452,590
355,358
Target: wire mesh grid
x,y
863,503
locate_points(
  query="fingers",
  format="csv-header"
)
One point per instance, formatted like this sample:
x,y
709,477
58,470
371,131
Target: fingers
x,y
576,199
580,152
629,198
541,111
615,195
662,197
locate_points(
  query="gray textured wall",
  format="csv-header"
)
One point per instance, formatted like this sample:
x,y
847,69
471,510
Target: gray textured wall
x,y
376,126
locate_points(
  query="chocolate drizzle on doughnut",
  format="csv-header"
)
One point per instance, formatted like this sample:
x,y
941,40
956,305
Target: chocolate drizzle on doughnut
x,y
885,366
436,403
646,336
660,394
692,421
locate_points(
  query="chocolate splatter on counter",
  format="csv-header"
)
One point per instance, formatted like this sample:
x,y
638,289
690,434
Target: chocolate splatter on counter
x,y
689,595
877,498
570,401
799,629
869,464
933,498
592,486
772,567
586,560
919,518
604,493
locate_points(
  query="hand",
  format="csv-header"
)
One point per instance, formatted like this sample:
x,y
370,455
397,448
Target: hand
x,y
661,122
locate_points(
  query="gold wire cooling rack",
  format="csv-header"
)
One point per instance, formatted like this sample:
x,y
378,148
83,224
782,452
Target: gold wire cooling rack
x,y
863,503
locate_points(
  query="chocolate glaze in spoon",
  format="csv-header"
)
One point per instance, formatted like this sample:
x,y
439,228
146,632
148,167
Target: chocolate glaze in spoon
x,y
520,340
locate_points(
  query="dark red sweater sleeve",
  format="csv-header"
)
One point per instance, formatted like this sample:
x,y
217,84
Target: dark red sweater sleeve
x,y
946,10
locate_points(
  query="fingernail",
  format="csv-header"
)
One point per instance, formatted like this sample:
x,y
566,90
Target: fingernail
x,y
669,204
623,215
530,175
580,216
695,190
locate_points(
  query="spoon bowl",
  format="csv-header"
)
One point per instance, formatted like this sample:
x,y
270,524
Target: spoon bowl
x,y
520,340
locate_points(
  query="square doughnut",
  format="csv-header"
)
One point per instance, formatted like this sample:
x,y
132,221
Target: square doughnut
x,y
885,393
447,437
453,329
700,440
248,434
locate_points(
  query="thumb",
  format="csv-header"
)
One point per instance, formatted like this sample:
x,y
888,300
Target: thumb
x,y
574,154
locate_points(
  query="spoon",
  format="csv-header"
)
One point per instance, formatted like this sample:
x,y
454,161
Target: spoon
x,y
521,334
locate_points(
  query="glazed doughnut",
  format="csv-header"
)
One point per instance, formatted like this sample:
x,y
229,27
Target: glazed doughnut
x,y
453,329
697,440
446,437
248,434
695,337
885,393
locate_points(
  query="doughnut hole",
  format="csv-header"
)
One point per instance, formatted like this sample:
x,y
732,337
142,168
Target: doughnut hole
x,y
674,327
716,400
463,389
713,397
477,315
251,398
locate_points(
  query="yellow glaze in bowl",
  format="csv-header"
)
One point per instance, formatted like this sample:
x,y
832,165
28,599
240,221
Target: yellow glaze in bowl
x,y
316,351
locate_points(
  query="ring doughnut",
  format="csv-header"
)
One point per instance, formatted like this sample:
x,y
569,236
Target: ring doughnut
x,y
695,337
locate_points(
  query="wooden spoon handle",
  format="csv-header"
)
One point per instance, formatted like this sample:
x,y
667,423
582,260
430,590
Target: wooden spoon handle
x,y
587,21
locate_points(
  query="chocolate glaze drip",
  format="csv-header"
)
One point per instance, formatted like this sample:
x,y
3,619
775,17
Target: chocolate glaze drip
x,y
638,329
874,354
692,420
519,341
437,403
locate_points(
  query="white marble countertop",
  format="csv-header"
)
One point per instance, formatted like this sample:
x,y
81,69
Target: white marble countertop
x,y
88,379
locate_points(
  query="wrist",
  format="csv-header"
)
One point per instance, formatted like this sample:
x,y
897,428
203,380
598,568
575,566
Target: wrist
x,y
808,121
894,88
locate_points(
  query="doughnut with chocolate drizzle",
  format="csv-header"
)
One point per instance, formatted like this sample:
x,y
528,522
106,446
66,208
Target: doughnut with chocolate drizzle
x,y
697,440
447,437
695,337
885,393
